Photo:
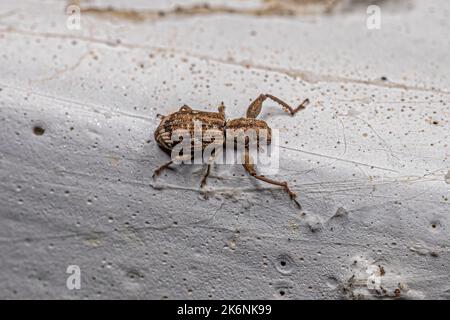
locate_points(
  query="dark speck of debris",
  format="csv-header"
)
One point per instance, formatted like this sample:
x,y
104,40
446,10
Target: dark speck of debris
x,y
434,254
383,78
38,130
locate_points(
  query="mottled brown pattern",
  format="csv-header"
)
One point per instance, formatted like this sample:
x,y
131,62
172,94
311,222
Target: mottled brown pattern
x,y
185,119
250,123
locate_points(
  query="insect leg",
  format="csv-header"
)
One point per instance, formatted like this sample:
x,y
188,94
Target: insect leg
x,y
286,106
254,108
221,109
205,176
208,169
185,108
248,165
158,170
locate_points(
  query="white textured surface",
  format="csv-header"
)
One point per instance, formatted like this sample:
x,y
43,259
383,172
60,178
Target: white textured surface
x,y
368,158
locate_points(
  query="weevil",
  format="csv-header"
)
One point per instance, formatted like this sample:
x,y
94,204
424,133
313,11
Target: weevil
x,y
185,117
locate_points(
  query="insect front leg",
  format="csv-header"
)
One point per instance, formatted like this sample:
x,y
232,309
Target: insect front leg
x,y
248,165
178,159
158,170
254,109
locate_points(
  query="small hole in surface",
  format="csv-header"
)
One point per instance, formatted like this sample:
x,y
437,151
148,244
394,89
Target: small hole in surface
x,y
38,130
283,263
282,293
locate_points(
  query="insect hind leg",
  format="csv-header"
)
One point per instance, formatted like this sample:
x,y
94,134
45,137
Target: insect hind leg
x,y
248,165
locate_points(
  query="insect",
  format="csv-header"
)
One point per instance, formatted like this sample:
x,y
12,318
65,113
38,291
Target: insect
x,y
185,117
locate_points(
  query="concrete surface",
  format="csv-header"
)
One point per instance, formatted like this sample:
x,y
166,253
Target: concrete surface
x,y
369,157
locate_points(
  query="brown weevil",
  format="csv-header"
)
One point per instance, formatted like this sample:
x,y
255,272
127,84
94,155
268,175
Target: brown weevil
x,y
184,119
